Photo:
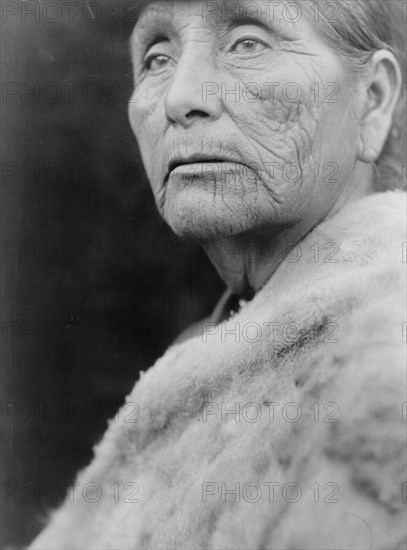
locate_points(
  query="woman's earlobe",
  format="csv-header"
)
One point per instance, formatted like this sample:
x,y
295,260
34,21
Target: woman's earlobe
x,y
382,96
365,153
369,147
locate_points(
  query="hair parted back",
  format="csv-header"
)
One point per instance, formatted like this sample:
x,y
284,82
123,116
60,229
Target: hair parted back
x,y
355,32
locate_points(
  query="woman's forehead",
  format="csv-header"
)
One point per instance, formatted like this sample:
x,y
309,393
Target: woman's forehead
x,y
221,12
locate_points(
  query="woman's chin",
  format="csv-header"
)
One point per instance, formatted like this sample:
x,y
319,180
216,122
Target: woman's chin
x,y
203,216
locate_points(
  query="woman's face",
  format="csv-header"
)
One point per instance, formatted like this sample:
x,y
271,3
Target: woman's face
x,y
244,117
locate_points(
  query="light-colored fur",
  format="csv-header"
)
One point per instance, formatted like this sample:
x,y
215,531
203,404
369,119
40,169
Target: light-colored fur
x,y
171,452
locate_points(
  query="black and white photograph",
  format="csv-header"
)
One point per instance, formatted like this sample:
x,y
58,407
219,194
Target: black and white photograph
x,y
203,274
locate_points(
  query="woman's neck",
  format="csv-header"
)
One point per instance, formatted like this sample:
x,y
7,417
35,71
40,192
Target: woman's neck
x,y
247,261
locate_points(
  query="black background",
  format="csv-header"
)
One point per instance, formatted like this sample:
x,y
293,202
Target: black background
x,y
94,284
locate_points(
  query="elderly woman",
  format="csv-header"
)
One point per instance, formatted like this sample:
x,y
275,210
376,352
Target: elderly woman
x,y
272,133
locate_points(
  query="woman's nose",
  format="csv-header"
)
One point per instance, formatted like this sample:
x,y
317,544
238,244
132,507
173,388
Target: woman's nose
x,y
188,99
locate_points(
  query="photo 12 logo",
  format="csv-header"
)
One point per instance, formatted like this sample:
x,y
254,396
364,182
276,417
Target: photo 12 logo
x,y
271,11
269,491
52,492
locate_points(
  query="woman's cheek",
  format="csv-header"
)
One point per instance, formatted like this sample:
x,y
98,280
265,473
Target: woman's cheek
x,y
147,125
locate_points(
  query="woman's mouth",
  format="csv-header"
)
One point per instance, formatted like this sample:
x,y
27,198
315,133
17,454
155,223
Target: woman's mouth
x,y
199,165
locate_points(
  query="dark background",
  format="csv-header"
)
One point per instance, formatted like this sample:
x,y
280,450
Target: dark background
x,y
94,284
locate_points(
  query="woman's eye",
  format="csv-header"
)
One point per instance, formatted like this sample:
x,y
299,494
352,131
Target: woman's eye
x,y
154,62
249,45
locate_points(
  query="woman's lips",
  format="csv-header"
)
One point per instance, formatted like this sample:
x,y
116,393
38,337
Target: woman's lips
x,y
204,167
208,171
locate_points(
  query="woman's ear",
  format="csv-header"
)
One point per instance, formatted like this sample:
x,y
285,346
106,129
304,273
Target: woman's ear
x,y
381,97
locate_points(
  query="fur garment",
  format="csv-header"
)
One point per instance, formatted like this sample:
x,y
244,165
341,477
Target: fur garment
x,y
281,427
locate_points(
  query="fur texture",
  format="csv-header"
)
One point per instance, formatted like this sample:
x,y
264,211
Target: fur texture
x,y
335,355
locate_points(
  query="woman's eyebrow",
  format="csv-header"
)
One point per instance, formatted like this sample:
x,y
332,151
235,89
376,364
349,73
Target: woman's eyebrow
x,y
148,35
236,20
266,24
147,39
142,31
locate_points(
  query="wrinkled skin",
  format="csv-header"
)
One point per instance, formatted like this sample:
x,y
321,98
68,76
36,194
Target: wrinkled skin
x,y
291,161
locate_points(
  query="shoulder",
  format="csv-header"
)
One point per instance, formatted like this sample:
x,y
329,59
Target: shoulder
x,y
369,229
